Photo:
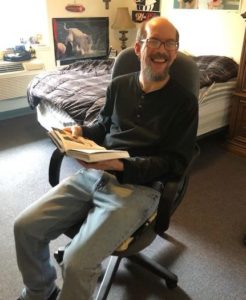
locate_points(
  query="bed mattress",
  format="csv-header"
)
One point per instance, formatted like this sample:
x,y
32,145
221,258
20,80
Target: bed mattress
x,y
214,106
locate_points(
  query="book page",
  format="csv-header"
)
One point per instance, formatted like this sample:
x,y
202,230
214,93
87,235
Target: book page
x,y
69,142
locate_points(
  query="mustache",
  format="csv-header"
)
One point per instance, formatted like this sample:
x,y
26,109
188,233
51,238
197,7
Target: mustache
x,y
160,56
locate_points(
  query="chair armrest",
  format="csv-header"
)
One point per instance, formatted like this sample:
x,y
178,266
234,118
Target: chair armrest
x,y
171,196
172,193
55,167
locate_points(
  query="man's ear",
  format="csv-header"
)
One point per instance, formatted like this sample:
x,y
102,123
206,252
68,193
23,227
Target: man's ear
x,y
137,49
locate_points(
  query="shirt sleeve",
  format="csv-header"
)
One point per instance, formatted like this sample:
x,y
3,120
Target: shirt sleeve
x,y
98,130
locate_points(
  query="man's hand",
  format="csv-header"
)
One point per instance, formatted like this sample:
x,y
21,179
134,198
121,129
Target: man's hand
x,y
112,164
76,130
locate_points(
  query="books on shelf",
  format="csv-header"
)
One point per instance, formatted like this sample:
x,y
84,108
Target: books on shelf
x,y
82,148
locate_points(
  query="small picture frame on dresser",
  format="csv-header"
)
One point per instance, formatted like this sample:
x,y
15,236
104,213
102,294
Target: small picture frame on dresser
x,y
112,53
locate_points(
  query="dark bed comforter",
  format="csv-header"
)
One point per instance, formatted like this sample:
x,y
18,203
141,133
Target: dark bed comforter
x,y
79,89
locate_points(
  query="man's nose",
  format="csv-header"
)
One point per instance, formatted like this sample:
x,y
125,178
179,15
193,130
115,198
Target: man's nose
x,y
162,47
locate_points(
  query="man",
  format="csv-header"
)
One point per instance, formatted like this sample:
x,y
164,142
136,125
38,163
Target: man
x,y
146,113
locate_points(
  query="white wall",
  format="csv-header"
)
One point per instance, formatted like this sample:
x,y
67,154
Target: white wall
x,y
201,31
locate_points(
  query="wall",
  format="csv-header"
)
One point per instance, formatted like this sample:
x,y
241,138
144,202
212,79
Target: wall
x,y
202,31
56,8
208,31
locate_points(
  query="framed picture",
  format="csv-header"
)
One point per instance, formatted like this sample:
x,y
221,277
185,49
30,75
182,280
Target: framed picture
x,y
80,38
207,4
146,9
139,16
148,5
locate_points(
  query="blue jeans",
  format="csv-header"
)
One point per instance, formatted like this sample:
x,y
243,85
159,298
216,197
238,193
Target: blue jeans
x,y
111,213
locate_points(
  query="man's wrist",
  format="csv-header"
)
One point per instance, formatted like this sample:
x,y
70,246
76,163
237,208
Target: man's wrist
x,y
119,166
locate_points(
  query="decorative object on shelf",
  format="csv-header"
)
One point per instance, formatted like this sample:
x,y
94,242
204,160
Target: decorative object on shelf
x,y
146,9
148,5
140,16
32,52
106,3
18,53
237,124
112,53
75,7
123,23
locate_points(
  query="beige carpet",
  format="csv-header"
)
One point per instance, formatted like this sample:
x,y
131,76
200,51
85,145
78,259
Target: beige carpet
x,y
205,248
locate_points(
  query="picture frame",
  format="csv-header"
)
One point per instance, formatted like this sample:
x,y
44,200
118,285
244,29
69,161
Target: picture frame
x,y
207,4
80,38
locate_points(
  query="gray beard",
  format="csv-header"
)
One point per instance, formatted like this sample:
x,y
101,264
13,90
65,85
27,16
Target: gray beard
x,y
150,76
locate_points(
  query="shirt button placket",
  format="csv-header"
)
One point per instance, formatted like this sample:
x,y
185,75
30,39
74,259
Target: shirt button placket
x,y
139,109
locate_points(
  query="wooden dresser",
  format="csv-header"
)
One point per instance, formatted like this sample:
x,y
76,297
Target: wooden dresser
x,y
237,123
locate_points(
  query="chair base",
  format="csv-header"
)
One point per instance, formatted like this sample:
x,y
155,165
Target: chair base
x,y
157,269
170,278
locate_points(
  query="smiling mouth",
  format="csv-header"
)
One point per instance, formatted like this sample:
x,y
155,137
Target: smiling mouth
x,y
159,60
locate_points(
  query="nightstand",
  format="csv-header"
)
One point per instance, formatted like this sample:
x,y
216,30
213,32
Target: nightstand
x,y
237,123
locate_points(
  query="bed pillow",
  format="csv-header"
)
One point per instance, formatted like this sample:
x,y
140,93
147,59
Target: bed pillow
x,y
215,68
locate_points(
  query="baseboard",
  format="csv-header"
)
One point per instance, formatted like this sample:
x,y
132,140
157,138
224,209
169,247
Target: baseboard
x,y
15,113
222,130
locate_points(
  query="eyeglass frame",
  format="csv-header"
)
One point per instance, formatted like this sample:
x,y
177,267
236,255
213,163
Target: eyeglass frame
x,y
161,43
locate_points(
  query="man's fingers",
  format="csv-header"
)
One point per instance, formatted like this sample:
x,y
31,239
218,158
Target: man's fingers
x,y
68,129
76,131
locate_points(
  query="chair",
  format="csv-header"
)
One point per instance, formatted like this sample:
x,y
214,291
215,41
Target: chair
x,y
184,69
172,191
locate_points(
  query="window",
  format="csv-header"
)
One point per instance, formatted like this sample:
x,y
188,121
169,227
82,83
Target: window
x,y
22,20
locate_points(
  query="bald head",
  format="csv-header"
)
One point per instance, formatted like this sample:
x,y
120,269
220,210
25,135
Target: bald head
x,y
156,23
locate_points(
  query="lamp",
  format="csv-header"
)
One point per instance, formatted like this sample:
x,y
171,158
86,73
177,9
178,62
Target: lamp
x,y
122,23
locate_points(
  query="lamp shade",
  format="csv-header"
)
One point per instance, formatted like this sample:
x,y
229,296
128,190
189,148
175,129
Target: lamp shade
x,y
122,19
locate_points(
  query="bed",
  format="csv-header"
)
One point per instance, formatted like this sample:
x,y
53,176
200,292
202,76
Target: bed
x,y
75,93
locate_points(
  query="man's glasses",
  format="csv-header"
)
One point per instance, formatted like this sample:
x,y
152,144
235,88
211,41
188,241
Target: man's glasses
x,y
156,44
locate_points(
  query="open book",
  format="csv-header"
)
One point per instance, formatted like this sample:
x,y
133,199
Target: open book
x,y
82,148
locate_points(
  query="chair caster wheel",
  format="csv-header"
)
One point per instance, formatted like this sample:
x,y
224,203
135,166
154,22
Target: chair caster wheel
x,y
171,284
